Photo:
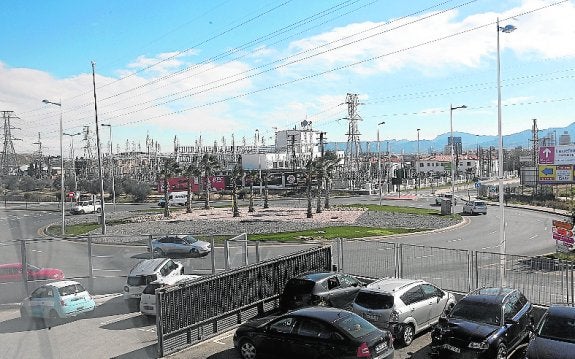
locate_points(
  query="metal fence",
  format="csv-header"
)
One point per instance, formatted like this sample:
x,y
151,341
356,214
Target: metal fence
x,y
203,308
543,280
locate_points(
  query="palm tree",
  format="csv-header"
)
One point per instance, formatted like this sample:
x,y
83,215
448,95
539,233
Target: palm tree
x,y
237,173
253,176
209,164
309,173
191,171
267,175
329,165
170,168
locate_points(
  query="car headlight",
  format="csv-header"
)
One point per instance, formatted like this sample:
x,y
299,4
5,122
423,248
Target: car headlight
x,y
476,345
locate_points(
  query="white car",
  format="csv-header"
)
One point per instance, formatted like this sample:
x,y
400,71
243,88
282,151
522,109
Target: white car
x,y
446,196
147,271
148,298
475,207
83,207
61,299
183,245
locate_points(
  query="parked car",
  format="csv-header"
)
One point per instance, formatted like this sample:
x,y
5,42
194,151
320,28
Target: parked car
x,y
12,272
84,207
554,336
312,333
475,207
61,299
185,245
147,271
404,306
445,196
320,288
486,323
148,298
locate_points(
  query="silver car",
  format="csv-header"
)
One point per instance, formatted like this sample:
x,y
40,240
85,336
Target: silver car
x,y
475,207
404,306
183,245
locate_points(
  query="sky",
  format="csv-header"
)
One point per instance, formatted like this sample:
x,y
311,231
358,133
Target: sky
x,y
223,69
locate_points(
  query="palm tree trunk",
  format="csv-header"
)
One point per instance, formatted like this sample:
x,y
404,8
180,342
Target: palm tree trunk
x,y
235,207
309,213
251,206
166,204
189,198
207,189
327,187
318,203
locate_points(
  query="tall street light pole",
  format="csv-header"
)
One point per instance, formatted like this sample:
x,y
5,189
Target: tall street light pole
x,y
259,162
73,159
379,162
112,164
63,227
451,108
506,29
101,176
417,164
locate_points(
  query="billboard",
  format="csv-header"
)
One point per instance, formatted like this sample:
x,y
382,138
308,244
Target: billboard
x,y
556,164
216,183
563,235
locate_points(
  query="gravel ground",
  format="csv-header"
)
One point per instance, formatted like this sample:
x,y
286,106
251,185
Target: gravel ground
x,y
220,221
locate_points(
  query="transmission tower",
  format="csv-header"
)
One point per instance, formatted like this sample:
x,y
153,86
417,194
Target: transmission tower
x,y
8,162
352,150
87,138
38,159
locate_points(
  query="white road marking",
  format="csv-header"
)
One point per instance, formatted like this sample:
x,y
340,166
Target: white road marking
x,y
108,270
533,237
36,250
102,256
456,240
217,341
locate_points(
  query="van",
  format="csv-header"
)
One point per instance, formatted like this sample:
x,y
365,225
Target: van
x,y
147,271
148,298
179,198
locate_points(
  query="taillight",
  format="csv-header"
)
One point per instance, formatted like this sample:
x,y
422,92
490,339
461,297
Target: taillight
x,y
126,288
363,351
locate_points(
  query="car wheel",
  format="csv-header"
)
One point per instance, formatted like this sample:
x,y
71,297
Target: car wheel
x,y
406,336
247,349
98,210
194,252
501,351
159,252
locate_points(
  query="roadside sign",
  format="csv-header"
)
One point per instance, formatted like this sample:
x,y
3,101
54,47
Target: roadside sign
x,y
563,235
546,154
525,159
477,184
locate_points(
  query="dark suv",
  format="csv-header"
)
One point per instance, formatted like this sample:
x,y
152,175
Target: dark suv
x,y
486,323
320,288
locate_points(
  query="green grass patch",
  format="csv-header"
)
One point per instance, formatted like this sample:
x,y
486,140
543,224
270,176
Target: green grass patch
x,y
72,230
330,233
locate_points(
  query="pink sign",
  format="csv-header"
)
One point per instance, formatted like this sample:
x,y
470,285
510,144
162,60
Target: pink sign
x,y
546,155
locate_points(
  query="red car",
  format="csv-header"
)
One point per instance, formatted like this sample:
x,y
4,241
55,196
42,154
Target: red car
x,y
13,272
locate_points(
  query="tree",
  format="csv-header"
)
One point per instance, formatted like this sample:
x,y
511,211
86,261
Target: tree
x,y
309,173
326,170
266,178
170,168
237,174
209,164
137,189
253,176
190,172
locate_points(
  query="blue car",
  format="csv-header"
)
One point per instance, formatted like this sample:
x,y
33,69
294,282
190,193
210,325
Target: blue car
x,y
62,299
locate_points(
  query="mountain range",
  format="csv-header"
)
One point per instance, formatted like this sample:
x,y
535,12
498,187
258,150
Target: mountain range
x,y
469,141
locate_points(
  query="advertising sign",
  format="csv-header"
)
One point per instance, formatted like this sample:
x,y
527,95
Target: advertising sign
x,y
557,155
563,235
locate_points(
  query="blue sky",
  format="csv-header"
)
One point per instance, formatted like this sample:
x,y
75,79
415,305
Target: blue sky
x,y
217,68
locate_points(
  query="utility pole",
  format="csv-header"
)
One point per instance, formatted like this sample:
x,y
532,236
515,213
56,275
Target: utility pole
x,y
8,162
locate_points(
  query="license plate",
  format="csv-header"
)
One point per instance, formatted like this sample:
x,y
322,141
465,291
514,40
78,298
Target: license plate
x,y
380,347
452,348
371,317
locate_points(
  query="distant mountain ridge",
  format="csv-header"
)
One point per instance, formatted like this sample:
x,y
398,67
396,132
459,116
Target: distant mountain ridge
x,y
469,141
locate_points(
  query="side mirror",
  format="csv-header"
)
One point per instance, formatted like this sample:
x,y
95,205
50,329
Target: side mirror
x,y
510,321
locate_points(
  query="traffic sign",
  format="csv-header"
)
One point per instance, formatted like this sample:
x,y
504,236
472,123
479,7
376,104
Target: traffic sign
x,y
477,184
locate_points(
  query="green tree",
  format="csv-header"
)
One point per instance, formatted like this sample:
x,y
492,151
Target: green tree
x,y
190,171
170,168
209,164
253,177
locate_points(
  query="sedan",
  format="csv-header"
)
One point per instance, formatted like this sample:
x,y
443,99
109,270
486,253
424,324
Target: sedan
x,y
13,272
183,245
62,299
311,333
554,337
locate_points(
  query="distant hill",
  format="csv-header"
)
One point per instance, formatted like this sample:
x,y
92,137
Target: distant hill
x,y
468,140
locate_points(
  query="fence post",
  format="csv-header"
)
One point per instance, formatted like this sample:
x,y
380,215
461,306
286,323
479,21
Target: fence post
x,y
150,245
24,265
226,256
476,270
469,270
159,318
245,248
213,256
258,252
340,269
399,261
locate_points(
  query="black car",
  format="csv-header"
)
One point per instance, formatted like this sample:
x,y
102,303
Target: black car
x,y
486,323
554,337
320,288
313,333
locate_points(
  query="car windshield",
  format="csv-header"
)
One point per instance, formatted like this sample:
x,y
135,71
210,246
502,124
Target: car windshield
x,y
480,204
141,279
487,313
355,326
371,300
557,328
297,286
190,239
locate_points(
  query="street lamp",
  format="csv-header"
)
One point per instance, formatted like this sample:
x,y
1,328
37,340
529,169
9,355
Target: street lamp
x,y
100,174
379,162
63,227
506,29
111,165
416,163
73,159
451,108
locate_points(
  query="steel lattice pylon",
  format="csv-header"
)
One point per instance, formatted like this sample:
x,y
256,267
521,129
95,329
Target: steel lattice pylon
x,y
352,150
8,162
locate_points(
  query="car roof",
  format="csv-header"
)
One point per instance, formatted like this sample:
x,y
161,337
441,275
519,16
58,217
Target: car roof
x,y
62,283
315,276
147,266
327,314
391,284
562,310
488,295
